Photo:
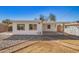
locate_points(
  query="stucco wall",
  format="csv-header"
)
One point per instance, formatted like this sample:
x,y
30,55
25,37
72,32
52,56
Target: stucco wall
x,y
26,31
52,28
3,28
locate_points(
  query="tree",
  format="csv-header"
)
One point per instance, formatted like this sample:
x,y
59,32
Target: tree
x,y
35,19
52,17
7,21
42,18
77,21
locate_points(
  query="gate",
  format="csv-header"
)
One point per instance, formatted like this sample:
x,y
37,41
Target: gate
x,y
59,28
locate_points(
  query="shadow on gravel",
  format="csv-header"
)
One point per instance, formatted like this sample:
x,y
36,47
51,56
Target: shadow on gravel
x,y
42,37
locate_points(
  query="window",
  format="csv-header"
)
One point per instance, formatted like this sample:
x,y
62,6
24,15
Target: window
x,y
48,26
32,26
20,26
66,26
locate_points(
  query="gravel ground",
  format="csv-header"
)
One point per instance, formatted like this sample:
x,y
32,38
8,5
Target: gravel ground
x,y
7,43
9,40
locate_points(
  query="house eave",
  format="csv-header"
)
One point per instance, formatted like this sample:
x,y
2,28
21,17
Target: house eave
x,y
25,21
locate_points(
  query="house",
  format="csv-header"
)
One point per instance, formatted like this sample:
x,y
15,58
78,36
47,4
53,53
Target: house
x,y
37,27
33,27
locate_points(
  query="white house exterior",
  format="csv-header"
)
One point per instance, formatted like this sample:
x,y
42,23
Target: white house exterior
x,y
33,27
37,27
72,28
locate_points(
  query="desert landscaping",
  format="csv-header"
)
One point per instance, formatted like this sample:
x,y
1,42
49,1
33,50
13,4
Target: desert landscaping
x,y
39,44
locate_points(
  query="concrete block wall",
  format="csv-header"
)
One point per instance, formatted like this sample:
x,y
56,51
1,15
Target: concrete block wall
x,y
74,30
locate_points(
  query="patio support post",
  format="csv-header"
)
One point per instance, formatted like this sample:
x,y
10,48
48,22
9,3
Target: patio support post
x,y
41,29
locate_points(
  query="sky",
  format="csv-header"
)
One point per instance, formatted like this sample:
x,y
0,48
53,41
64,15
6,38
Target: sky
x,y
62,13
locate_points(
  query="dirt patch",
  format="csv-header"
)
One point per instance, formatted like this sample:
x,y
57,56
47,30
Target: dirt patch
x,y
46,47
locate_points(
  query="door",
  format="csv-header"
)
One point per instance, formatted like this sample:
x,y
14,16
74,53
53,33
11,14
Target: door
x,y
59,28
48,27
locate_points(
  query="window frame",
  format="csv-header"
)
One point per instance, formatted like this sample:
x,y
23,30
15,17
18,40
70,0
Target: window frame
x,y
32,26
20,28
